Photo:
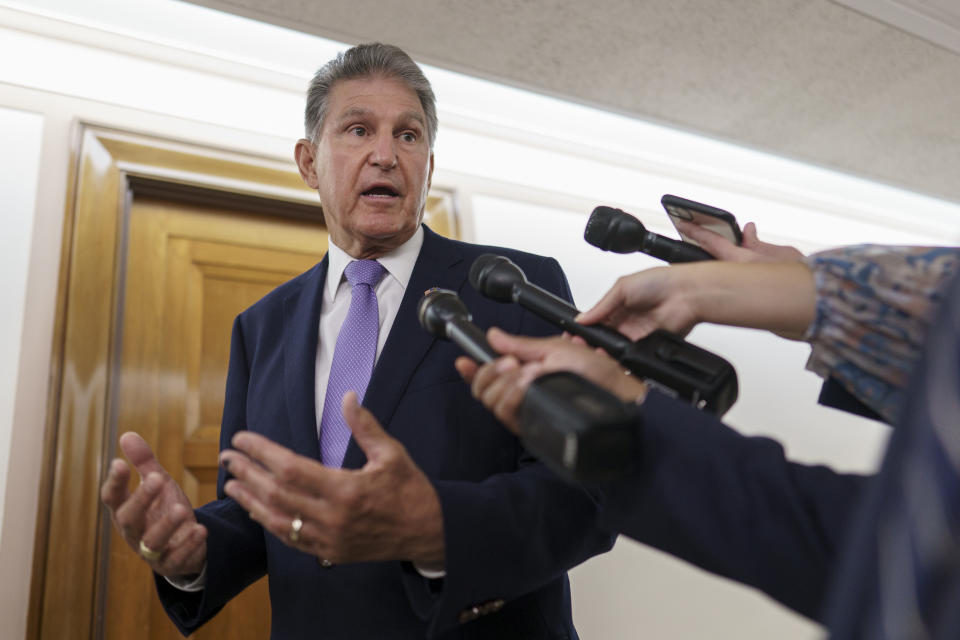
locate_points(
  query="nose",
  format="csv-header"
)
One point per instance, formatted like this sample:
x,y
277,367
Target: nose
x,y
384,152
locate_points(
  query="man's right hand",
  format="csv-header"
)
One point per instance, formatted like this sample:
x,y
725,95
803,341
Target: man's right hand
x,y
157,519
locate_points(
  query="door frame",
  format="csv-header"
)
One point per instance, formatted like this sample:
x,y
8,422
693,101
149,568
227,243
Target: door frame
x,y
108,169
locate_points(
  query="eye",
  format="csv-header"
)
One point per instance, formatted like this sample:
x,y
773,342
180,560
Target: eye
x,y
409,136
358,130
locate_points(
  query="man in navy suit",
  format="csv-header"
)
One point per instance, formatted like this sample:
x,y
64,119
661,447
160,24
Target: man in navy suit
x,y
428,521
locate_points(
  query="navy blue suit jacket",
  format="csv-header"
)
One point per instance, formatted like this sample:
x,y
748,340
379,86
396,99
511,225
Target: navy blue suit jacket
x,y
734,505
511,527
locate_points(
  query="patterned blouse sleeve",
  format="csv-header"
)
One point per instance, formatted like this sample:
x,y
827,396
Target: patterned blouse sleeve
x,y
873,307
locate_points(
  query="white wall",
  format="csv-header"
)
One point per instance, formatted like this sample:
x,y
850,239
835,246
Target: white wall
x,y
22,135
527,171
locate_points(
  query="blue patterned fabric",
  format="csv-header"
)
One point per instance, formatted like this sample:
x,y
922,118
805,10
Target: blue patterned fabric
x,y
901,574
873,310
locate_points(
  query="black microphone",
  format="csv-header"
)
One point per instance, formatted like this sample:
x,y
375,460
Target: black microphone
x,y
668,361
580,430
443,314
499,278
614,230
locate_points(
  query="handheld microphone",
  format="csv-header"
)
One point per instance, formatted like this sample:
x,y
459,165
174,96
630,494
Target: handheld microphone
x,y
500,279
666,360
614,230
443,314
581,431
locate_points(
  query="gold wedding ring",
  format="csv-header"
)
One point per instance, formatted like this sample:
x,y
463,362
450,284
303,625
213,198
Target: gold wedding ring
x,y
295,528
149,554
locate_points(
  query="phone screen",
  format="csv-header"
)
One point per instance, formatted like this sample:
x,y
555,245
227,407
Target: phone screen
x,y
712,218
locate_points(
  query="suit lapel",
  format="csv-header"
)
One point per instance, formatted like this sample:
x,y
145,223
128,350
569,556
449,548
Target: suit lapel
x,y
301,322
408,342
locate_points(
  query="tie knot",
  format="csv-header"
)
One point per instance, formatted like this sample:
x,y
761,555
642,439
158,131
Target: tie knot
x,y
366,272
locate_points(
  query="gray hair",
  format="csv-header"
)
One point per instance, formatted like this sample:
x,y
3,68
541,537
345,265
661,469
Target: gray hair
x,y
364,61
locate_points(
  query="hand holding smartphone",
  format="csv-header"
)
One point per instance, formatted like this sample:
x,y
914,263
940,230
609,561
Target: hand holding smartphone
x,y
716,220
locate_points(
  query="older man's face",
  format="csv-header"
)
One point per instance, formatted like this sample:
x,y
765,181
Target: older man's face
x,y
372,165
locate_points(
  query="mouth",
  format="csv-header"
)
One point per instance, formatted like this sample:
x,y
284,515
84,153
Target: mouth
x,y
381,192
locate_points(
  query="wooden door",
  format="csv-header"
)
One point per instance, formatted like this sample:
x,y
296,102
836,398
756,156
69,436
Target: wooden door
x,y
189,272
166,243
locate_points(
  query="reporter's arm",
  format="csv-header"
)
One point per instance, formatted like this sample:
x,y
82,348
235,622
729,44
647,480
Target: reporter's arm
x,y
701,491
733,505
775,296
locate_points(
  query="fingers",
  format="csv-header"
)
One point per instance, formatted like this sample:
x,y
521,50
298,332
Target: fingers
x,y
612,301
114,491
131,516
501,386
276,460
765,250
750,238
487,385
521,347
711,242
186,551
266,504
466,367
158,534
263,491
367,432
140,454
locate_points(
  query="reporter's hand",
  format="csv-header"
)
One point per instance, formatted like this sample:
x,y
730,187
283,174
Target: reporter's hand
x,y
157,515
777,296
658,298
751,249
500,385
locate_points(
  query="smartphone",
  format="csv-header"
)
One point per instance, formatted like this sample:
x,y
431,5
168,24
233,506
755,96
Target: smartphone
x,y
711,218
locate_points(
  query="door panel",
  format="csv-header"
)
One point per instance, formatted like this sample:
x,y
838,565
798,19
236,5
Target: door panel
x,y
189,272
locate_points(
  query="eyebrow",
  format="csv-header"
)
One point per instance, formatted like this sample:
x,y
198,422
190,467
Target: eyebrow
x,y
354,112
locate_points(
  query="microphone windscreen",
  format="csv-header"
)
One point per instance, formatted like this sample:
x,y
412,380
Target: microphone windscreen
x,y
494,276
613,230
438,307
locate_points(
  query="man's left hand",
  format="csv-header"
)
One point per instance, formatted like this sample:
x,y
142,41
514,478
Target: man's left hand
x,y
386,510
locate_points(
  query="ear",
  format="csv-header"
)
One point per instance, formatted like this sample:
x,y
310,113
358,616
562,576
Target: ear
x,y
306,155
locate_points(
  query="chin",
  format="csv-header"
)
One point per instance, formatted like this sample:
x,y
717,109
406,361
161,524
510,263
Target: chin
x,y
382,229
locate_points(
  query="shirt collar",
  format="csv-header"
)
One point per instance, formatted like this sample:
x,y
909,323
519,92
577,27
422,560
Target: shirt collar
x,y
399,263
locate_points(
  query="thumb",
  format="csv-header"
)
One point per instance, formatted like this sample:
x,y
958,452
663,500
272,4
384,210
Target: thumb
x,y
370,436
750,237
140,454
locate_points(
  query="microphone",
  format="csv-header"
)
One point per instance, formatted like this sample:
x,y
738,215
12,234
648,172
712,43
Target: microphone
x,y
581,431
443,314
666,360
500,279
614,230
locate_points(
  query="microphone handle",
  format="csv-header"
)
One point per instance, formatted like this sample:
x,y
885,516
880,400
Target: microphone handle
x,y
471,339
670,250
559,312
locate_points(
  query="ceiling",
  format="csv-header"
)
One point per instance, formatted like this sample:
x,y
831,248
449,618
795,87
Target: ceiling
x,y
811,80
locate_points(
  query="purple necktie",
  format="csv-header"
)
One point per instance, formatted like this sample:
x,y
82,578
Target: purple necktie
x,y
353,358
